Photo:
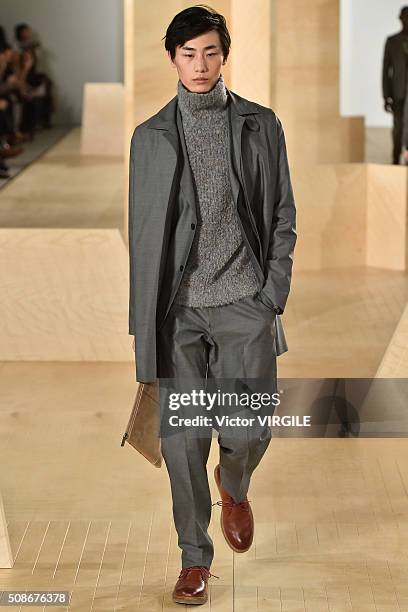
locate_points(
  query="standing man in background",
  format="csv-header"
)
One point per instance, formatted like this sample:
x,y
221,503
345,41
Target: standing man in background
x,y
395,66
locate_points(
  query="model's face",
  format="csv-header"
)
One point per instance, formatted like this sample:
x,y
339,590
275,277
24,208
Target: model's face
x,y
199,58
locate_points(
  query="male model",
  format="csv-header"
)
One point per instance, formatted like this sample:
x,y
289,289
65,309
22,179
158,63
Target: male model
x,y
211,240
394,81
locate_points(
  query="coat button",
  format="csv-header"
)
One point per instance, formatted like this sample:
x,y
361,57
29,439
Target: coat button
x,y
181,268
192,225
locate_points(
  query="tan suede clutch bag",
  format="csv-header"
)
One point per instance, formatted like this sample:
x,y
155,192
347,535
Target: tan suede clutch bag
x,y
143,429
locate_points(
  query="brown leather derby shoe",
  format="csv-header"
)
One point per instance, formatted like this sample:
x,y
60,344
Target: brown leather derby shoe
x,y
237,521
191,586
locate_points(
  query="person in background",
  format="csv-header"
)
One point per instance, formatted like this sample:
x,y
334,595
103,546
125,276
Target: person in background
x,y
9,136
394,81
42,106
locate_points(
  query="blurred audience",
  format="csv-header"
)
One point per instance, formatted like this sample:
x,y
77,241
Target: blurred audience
x,y
40,83
26,99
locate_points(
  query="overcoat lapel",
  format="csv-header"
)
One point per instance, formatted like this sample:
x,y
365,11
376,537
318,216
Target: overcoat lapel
x,y
187,184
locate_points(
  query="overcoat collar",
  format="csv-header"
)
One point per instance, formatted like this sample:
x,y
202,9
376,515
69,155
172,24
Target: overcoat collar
x,y
165,118
240,111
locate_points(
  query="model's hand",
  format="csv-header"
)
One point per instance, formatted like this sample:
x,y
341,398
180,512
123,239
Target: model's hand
x,y
388,102
133,344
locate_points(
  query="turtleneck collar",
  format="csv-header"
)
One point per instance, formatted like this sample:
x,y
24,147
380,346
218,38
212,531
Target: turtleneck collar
x,y
192,103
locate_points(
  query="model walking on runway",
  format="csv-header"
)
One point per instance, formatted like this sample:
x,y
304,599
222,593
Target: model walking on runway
x,y
211,241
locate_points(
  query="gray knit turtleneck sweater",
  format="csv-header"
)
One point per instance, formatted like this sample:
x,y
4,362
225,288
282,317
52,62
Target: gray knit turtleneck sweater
x,y
219,270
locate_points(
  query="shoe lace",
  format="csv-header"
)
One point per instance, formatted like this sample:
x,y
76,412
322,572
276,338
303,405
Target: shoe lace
x,y
205,572
244,505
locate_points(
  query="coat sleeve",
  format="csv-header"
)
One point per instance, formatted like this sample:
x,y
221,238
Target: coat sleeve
x,y
387,65
278,268
131,216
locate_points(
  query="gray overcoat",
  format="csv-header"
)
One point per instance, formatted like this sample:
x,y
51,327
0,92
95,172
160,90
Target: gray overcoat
x,y
263,197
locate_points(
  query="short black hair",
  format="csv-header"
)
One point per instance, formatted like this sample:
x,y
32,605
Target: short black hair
x,y
18,29
3,37
192,22
403,10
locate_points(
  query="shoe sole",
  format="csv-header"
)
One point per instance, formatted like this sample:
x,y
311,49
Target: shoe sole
x,y
190,600
237,550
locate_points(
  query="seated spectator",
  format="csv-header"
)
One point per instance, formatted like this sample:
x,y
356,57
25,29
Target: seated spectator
x,y
26,100
9,84
39,82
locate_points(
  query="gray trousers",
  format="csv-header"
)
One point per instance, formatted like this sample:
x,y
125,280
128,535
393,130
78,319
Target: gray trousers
x,y
229,347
